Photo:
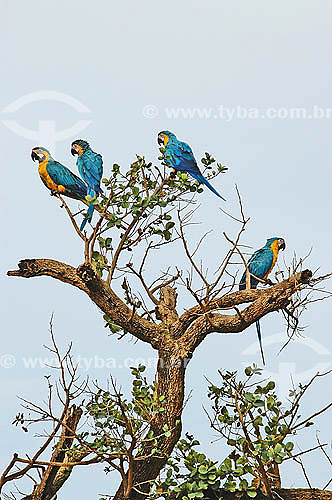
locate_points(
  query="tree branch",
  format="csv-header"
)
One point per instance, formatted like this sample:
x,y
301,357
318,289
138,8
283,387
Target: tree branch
x,y
97,289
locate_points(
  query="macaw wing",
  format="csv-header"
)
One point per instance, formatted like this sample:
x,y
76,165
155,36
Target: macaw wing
x,y
185,147
63,176
185,151
91,170
259,265
182,158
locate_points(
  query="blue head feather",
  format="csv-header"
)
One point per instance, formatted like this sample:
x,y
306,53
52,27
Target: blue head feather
x,y
84,144
169,134
269,241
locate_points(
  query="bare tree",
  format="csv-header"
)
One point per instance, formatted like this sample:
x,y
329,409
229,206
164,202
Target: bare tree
x,y
144,210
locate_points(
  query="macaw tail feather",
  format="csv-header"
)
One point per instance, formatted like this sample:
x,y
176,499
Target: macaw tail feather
x,y
88,217
259,335
201,179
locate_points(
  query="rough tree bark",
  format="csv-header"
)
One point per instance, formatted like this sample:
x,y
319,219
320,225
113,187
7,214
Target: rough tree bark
x,y
174,337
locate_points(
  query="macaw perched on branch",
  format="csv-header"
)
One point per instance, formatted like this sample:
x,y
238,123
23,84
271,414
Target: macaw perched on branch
x,y
180,157
58,178
90,167
260,265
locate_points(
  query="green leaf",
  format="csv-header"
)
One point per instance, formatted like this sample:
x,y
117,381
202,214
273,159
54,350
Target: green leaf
x,y
278,447
271,385
289,446
202,469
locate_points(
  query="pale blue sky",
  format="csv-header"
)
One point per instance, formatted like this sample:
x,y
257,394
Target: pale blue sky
x,y
117,58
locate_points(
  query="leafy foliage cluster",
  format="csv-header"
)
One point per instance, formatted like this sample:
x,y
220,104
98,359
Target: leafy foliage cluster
x,y
120,425
142,201
251,419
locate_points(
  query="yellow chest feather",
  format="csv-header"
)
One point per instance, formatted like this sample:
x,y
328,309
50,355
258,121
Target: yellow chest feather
x,y
275,250
47,179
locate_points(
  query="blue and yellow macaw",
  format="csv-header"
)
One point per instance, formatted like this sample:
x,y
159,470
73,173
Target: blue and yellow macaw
x,y
90,167
260,265
58,178
180,157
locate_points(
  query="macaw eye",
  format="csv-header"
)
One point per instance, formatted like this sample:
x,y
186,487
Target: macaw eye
x,y
281,244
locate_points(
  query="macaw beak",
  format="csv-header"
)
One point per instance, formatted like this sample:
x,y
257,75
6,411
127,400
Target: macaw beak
x,y
282,245
34,156
74,151
161,140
